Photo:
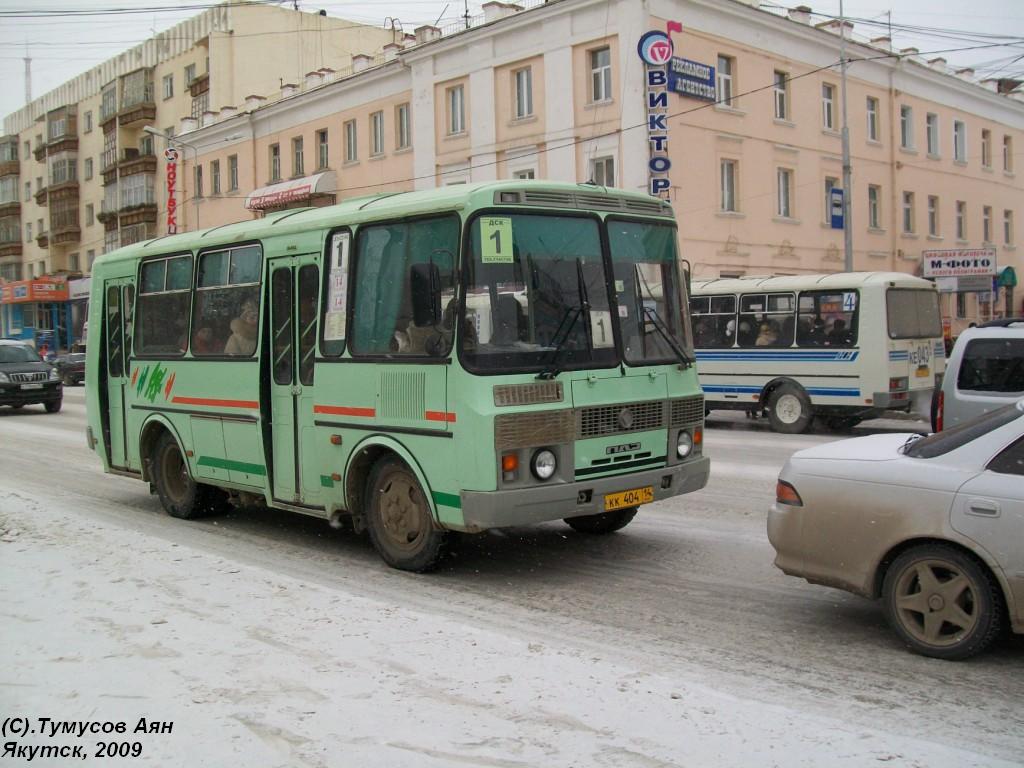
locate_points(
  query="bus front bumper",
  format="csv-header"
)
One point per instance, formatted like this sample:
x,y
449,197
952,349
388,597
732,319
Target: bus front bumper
x,y
527,506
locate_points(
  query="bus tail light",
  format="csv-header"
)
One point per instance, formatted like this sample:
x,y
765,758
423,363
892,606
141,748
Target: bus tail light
x,y
898,386
786,494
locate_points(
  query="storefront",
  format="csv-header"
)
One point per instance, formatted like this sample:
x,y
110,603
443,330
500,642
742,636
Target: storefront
x,y
78,302
36,311
309,191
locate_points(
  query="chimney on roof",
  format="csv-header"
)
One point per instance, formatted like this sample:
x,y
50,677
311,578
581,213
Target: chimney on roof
x,y
326,74
288,89
835,27
990,84
801,14
966,74
228,111
209,117
313,79
884,43
937,64
426,33
909,51
361,61
188,124
409,38
391,51
495,10
252,101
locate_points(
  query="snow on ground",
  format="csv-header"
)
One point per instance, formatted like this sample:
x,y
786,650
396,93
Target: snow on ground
x,y
103,623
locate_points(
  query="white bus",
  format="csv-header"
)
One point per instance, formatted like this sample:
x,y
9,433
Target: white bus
x,y
843,347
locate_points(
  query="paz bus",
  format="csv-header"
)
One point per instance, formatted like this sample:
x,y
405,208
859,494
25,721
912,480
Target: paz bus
x,y
459,359
843,347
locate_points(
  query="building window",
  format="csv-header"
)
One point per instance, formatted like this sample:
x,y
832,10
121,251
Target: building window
x,y
377,133
986,224
322,150
908,213
872,118
986,149
199,181
200,104
723,78
933,215
233,172
88,121
906,127
602,171
961,305
523,86
298,166
28,232
828,101
874,207
831,183
932,129
527,174
1008,227
28,190
961,220
90,214
275,162
784,193
168,82
959,141
456,110
351,144
781,100
90,258
190,74
215,177
402,135
73,262
87,168
728,185
601,74
28,151
1008,154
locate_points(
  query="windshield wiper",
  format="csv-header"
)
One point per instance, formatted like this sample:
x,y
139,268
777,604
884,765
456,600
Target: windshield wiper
x,y
684,360
551,368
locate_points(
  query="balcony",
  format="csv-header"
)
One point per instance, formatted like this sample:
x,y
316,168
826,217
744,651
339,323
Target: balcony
x,y
62,144
64,227
39,152
10,248
144,213
10,208
43,239
9,168
41,196
137,106
199,85
133,162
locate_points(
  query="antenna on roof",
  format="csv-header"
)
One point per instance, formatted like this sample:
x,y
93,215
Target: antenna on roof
x,y
466,14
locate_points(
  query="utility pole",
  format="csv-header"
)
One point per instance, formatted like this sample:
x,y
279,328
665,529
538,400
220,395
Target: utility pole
x,y
28,77
847,171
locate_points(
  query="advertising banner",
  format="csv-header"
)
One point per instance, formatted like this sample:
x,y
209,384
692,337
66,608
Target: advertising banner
x,y
959,262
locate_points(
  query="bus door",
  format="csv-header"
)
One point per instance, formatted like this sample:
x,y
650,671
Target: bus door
x,y
294,291
118,302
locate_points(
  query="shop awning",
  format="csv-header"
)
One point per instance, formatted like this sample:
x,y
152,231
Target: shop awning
x,y
291,191
1007,278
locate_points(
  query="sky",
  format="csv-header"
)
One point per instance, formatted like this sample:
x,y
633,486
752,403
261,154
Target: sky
x,y
62,46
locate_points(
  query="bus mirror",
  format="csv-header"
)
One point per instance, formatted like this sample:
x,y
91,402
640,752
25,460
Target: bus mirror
x,y
686,275
425,288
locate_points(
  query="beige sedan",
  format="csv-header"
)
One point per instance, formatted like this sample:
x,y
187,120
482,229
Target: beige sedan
x,y
934,526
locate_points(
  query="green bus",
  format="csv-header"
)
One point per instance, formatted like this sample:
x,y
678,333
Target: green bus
x,y
458,359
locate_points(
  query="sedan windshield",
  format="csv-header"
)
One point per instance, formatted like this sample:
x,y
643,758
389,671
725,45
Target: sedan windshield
x,y
537,295
649,293
950,439
11,353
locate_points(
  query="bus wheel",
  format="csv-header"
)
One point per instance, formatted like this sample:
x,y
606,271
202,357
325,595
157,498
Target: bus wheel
x,y
603,522
789,410
180,495
399,520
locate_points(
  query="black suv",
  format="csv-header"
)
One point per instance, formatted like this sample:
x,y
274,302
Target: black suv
x,y
25,379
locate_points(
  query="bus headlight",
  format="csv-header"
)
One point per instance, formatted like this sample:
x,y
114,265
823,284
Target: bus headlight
x,y
543,464
684,444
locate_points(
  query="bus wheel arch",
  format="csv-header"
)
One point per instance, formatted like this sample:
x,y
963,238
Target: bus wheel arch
x,y
151,432
788,405
364,457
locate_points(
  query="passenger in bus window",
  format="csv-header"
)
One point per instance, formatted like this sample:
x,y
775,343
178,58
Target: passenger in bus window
x,y
243,331
203,342
768,336
815,334
839,336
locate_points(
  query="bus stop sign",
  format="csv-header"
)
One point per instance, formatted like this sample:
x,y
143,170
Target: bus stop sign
x,y
835,207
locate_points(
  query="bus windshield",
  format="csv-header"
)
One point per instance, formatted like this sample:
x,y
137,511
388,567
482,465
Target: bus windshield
x,y
536,295
913,313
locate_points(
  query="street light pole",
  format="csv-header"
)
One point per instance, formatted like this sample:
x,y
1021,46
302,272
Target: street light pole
x,y
847,170
171,140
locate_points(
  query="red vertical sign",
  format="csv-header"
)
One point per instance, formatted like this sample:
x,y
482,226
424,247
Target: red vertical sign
x,y
171,155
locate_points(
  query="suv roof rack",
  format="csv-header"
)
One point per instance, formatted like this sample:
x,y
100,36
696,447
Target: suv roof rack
x,y
1005,322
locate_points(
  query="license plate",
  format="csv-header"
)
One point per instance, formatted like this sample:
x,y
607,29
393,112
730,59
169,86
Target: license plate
x,y
630,498
37,385
922,372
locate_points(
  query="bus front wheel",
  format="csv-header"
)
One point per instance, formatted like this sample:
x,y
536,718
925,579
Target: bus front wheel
x,y
603,522
789,410
181,496
398,517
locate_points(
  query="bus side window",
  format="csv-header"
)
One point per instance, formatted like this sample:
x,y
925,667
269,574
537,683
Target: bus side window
x,y
714,321
827,319
161,318
226,308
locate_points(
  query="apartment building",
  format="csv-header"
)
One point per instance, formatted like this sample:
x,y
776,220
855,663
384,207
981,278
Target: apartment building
x,y
749,155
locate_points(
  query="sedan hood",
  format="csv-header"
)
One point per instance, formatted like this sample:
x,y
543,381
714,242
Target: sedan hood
x,y
868,448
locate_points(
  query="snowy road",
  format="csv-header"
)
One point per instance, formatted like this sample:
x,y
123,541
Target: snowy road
x,y
272,640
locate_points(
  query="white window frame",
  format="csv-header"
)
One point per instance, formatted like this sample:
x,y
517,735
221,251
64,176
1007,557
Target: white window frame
x,y
932,133
232,173
522,86
933,216
728,175
831,182
724,79
377,133
1007,153
1007,227
351,141
874,206
323,149
986,148
600,74
274,152
909,222
528,173
906,126
961,220
403,126
986,224
784,193
455,99
872,118
828,106
168,86
298,156
602,170
780,91
959,141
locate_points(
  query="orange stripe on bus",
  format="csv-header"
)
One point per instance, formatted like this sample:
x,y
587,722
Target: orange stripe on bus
x,y
215,402
439,416
343,410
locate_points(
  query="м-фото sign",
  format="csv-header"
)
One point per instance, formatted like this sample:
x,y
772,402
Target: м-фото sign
x,y
959,262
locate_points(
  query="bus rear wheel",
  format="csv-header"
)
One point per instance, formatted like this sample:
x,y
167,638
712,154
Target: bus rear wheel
x,y
398,517
789,410
603,522
181,496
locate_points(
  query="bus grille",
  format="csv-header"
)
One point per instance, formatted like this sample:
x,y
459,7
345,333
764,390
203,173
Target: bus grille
x,y
604,420
24,377
528,394
687,410
526,430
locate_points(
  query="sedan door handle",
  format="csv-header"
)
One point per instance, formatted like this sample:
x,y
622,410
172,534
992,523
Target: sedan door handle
x,y
983,507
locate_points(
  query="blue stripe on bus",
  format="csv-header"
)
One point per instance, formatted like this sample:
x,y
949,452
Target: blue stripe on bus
x,y
901,354
940,349
750,390
798,356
